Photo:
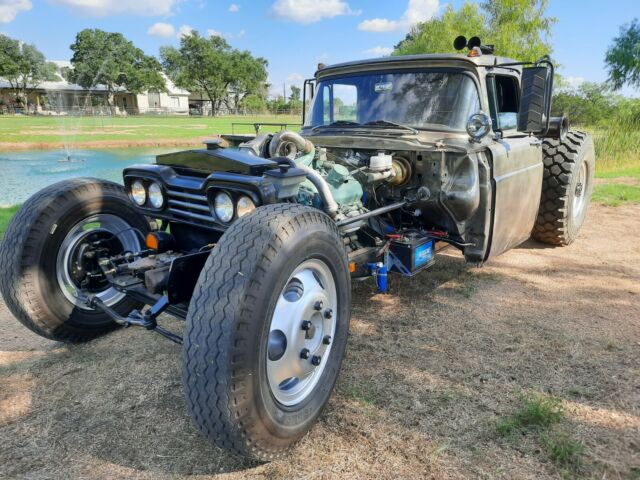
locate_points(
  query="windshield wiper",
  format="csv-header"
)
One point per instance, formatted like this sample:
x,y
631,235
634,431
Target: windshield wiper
x,y
385,123
338,123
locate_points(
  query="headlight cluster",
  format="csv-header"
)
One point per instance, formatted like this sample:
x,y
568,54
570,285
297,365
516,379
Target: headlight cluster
x,y
152,193
224,206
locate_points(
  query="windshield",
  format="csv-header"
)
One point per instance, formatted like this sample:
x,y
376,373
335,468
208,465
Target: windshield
x,y
420,99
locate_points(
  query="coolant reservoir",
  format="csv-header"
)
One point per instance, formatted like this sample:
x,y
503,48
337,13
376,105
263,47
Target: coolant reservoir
x,y
380,162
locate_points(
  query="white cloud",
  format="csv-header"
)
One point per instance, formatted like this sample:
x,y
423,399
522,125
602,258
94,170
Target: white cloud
x,y
161,29
234,8
184,31
101,8
226,35
379,25
379,51
310,11
295,77
10,8
417,11
573,82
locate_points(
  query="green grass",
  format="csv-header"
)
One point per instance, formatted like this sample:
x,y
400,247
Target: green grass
x,y
617,155
537,412
632,172
617,148
616,194
68,129
541,417
564,450
6,214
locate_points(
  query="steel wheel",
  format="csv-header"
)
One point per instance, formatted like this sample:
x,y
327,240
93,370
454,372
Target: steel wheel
x,y
579,194
301,332
116,232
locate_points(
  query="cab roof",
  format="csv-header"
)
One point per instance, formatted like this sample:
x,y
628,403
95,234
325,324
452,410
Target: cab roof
x,y
407,61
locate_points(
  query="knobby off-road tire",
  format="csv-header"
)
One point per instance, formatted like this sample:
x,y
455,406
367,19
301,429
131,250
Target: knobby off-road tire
x,y
569,168
232,349
33,248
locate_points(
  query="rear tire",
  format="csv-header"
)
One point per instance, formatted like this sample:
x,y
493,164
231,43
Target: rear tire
x,y
569,168
247,385
50,225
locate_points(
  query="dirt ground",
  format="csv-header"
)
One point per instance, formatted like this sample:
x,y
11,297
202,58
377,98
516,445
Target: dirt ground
x,y
431,369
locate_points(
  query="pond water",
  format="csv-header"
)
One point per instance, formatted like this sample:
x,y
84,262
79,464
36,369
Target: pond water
x,y
24,173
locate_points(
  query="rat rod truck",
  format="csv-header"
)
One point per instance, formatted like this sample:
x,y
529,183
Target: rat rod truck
x,y
254,240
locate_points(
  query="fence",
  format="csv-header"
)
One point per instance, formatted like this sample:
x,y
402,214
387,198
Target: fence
x,y
103,111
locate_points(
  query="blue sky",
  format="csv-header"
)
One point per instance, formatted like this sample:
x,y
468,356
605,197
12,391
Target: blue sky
x,y
294,35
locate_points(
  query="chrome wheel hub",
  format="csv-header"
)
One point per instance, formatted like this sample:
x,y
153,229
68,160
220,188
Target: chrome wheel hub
x,y
301,333
579,195
69,268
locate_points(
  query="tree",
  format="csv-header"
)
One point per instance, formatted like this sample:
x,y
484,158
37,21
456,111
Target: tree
x,y
623,57
437,35
210,66
518,28
24,67
9,59
109,59
588,104
295,94
254,103
250,76
278,105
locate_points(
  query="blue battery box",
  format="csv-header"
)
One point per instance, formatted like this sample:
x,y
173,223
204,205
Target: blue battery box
x,y
411,253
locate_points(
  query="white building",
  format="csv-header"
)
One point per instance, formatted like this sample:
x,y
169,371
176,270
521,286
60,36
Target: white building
x,y
60,97
173,101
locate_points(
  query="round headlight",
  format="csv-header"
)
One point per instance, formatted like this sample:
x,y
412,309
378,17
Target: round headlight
x,y
245,205
478,125
223,207
138,193
155,195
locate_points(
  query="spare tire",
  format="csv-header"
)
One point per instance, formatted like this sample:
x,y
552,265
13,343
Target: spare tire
x,y
43,278
567,186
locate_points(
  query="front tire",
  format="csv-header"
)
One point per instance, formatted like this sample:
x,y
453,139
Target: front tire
x,y
256,376
569,168
40,280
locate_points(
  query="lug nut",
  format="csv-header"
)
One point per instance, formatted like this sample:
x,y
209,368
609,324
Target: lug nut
x,y
328,313
315,360
306,325
327,340
304,353
318,305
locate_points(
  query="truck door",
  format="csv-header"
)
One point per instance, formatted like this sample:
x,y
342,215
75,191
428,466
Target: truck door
x,y
517,168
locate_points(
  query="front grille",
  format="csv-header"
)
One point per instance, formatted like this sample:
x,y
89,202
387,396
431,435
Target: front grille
x,y
193,207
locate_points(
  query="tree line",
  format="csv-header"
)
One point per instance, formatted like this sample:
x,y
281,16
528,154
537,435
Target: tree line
x,y
521,29
208,65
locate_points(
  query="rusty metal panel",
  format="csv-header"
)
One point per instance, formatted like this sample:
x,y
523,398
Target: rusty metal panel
x,y
517,173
